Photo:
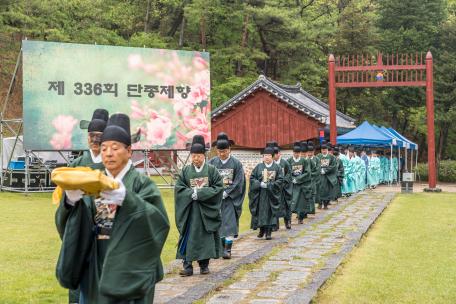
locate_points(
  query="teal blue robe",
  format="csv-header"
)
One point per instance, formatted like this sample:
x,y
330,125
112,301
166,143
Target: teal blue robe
x,y
352,176
395,169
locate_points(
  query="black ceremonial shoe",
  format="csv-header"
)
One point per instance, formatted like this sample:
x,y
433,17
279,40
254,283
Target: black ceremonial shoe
x,y
204,270
187,269
227,251
288,224
261,233
268,233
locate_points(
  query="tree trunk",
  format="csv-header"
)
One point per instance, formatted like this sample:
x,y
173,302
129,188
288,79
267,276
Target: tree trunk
x,y
176,22
180,16
203,31
244,37
265,49
181,33
394,120
147,19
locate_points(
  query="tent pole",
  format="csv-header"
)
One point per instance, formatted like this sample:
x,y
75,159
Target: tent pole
x,y
391,166
411,160
398,164
406,156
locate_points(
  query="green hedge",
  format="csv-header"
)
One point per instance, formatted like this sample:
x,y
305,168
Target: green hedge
x,y
447,171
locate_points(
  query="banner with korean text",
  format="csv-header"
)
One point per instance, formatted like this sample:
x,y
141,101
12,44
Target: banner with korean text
x,y
166,93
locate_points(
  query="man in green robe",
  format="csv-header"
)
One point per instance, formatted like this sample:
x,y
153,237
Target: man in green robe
x,y
315,168
234,191
91,158
328,177
112,244
301,174
340,173
264,194
198,196
351,173
285,199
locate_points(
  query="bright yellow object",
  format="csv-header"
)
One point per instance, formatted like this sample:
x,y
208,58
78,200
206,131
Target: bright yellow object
x,y
92,182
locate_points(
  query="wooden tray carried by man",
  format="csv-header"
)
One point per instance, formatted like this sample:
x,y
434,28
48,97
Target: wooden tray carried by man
x,y
92,182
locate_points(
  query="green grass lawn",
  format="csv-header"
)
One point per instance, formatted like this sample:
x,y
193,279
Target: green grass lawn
x,y
409,256
29,247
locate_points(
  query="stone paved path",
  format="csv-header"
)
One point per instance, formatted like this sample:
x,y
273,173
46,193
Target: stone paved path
x,y
293,265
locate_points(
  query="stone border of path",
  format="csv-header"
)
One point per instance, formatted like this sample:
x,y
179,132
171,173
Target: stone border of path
x,y
306,294
216,279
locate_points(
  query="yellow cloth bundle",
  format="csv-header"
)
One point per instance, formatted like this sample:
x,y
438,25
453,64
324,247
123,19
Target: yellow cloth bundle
x,y
92,182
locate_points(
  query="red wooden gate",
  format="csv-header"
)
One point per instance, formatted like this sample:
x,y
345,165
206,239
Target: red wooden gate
x,y
360,71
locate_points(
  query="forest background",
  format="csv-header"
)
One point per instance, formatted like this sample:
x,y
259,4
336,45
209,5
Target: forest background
x,y
286,40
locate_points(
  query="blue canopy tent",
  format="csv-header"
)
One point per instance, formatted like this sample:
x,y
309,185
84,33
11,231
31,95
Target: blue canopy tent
x,y
411,145
396,141
365,134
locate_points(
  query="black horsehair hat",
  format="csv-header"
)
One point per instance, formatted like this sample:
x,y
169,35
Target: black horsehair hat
x,y
198,145
98,123
118,129
222,141
268,150
310,146
297,147
304,147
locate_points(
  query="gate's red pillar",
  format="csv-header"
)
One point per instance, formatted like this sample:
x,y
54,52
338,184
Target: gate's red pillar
x,y
430,121
332,100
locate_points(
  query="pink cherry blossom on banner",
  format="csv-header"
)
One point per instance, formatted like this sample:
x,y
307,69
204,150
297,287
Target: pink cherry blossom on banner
x,y
198,124
183,108
64,124
135,61
206,134
61,141
200,63
158,131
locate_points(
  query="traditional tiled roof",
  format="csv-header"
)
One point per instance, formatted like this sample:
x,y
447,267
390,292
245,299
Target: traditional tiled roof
x,y
293,95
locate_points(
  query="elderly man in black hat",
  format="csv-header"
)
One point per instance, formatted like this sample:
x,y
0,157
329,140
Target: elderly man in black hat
x,y
301,174
315,167
95,128
286,196
112,244
233,190
198,198
328,177
265,194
